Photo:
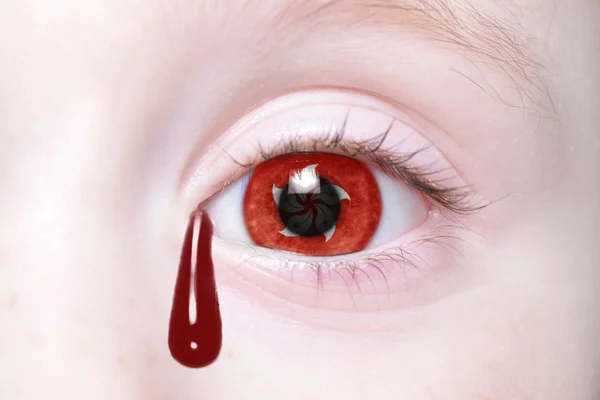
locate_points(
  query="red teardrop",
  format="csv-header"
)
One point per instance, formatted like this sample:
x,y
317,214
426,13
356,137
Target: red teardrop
x,y
196,345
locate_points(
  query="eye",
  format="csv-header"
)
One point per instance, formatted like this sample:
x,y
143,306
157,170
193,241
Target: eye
x,y
317,204
334,201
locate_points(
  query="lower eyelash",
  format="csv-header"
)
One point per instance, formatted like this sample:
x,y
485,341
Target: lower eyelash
x,y
372,280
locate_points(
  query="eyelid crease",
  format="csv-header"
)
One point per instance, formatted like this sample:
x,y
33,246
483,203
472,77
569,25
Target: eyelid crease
x,y
459,200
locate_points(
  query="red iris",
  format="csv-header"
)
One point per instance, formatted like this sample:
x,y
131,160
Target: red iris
x,y
313,204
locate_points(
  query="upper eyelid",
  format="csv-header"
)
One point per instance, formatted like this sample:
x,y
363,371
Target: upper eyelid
x,y
457,199
339,121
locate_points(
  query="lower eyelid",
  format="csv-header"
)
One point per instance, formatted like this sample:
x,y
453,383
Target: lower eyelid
x,y
402,274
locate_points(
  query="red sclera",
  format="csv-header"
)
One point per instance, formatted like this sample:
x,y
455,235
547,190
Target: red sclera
x,y
358,220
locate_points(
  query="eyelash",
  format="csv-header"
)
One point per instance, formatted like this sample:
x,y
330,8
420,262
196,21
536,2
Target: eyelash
x,y
458,200
400,255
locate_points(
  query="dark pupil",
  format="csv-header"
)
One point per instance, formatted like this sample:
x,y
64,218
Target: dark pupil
x,y
308,214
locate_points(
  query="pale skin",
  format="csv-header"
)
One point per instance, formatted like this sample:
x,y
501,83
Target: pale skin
x,y
111,111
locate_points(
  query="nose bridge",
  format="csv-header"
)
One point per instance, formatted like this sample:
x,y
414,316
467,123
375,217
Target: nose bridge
x,y
75,312
68,282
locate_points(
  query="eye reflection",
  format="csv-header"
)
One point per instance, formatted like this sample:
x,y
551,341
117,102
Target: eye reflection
x,y
313,204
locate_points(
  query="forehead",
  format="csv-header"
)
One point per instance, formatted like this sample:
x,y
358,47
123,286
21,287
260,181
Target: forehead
x,y
495,35
150,35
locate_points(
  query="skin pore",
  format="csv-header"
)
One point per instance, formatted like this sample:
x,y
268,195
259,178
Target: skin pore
x,y
118,117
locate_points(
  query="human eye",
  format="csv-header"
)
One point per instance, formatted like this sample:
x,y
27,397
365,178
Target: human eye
x,y
337,201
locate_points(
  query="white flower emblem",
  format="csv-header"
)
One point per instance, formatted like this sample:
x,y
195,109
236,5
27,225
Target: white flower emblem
x,y
310,207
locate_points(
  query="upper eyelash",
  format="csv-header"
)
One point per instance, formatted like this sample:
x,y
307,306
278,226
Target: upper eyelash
x,y
459,200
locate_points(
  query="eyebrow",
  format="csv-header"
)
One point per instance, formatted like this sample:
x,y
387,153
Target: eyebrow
x,y
497,42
